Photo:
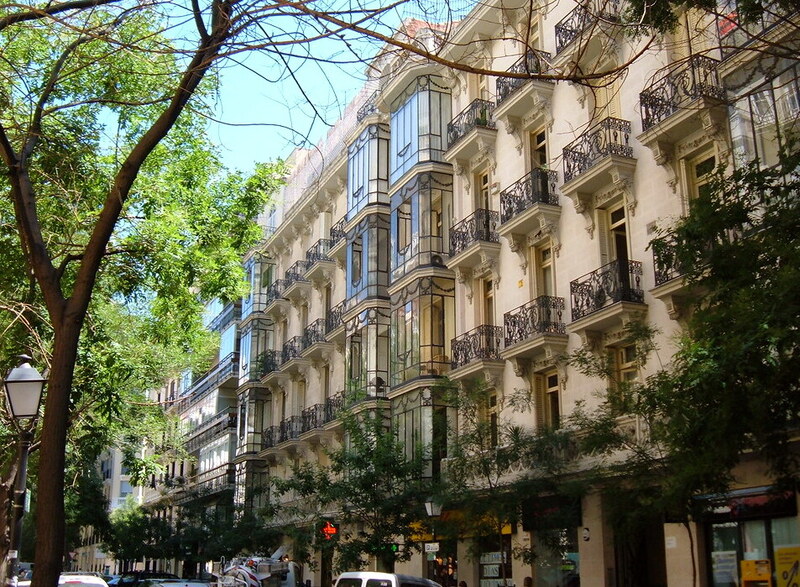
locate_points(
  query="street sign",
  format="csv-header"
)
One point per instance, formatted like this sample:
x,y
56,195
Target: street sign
x,y
431,547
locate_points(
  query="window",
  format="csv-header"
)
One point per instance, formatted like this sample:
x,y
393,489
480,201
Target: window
x,y
548,400
537,146
487,306
606,95
356,261
404,232
482,193
541,271
489,433
368,169
624,358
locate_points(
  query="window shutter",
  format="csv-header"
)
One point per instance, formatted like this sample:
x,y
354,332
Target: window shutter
x,y
603,236
539,391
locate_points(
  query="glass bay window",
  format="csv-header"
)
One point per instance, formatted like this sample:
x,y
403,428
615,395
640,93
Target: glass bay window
x,y
422,327
368,259
421,212
368,169
367,355
419,118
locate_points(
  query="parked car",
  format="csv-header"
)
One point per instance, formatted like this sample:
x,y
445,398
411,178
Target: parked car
x,y
174,583
135,578
81,580
374,579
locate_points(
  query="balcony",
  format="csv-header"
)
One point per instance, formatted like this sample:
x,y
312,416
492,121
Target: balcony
x,y
368,108
319,266
290,429
334,324
587,34
333,406
611,295
214,480
298,288
337,249
254,304
225,374
471,132
524,104
270,363
477,351
222,423
600,158
271,436
232,312
670,288
313,417
277,305
292,356
534,330
474,242
673,106
315,343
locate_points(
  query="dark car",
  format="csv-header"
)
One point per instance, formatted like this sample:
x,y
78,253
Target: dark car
x,y
134,578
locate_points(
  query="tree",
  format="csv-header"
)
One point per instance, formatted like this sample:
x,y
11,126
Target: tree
x,y
372,488
485,480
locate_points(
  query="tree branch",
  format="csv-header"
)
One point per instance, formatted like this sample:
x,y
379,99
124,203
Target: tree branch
x,y
32,13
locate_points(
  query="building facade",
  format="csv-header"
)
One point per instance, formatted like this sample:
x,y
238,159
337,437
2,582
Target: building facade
x,y
480,227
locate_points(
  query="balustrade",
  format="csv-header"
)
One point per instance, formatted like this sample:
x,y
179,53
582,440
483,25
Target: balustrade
x,y
537,187
581,18
614,282
696,78
276,289
292,348
532,62
318,252
481,225
314,333
290,428
479,344
543,315
337,232
611,136
297,272
334,318
478,113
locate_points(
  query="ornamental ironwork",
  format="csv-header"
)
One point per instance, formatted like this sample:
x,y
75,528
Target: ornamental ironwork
x,y
581,18
290,428
318,252
614,282
537,187
337,232
543,315
292,348
267,362
532,62
271,436
333,405
297,272
611,136
276,289
481,225
334,318
478,113
479,344
314,333
313,417
369,106
696,78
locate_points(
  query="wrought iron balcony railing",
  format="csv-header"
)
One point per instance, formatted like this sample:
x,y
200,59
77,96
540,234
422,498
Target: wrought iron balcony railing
x,y
583,17
334,318
478,113
481,225
611,136
292,348
368,107
313,417
291,428
537,187
314,333
696,78
267,362
614,282
297,272
532,62
543,315
227,367
333,405
479,344
275,291
271,436
337,232
318,252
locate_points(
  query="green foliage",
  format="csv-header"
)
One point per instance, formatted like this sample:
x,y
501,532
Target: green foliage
x,y
372,488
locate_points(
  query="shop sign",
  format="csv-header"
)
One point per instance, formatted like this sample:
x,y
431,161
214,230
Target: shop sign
x,y
431,547
787,566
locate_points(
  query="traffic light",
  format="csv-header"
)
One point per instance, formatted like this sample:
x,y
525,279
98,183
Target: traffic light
x,y
329,530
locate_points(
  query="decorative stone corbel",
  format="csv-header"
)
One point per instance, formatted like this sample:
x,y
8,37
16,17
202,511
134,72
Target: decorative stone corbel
x,y
521,367
516,243
464,277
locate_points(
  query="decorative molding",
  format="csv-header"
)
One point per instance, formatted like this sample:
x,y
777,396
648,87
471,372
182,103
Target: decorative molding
x,y
464,277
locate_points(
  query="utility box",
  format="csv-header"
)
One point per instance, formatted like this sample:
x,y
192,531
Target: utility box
x,y
757,573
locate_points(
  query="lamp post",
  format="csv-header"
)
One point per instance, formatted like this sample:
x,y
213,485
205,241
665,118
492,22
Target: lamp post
x,y
23,387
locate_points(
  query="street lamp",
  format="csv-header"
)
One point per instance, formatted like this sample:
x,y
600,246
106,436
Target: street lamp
x,y
23,386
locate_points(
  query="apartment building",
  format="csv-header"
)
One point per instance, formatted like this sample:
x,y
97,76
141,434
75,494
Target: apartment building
x,y
479,228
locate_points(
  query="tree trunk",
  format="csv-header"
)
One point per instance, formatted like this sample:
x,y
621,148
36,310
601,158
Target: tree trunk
x,y
5,528
50,498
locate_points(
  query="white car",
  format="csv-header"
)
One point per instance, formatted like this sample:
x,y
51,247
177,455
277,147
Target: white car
x,y
73,580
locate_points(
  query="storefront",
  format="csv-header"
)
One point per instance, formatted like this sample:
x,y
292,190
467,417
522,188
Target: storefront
x,y
752,534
